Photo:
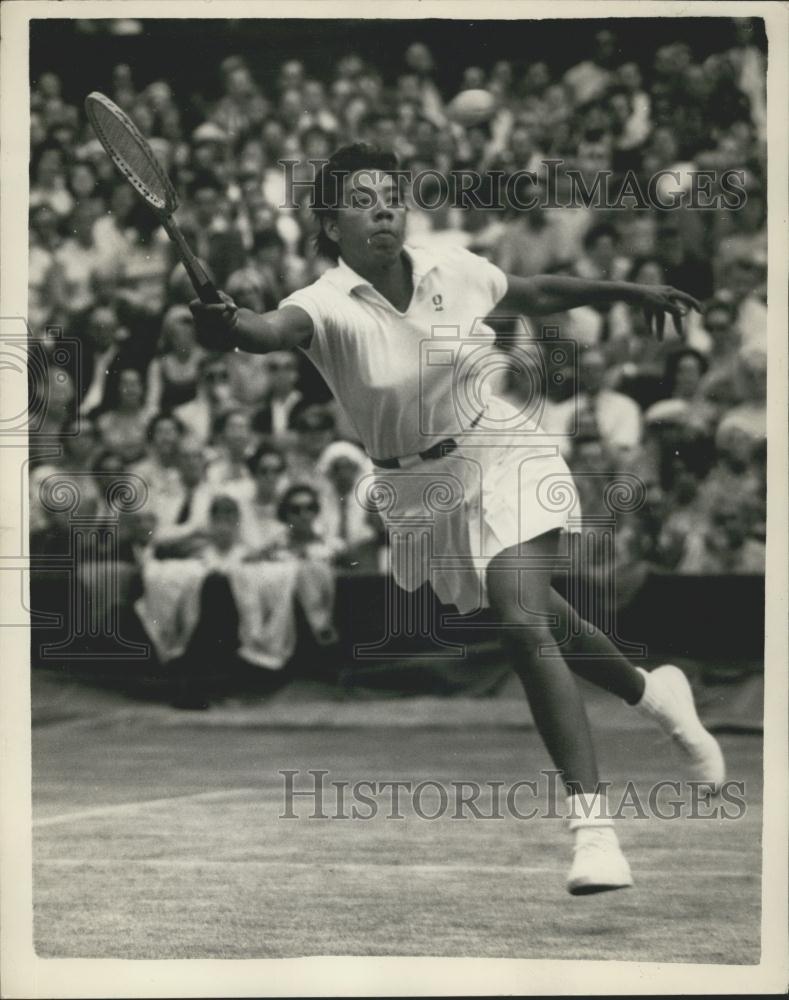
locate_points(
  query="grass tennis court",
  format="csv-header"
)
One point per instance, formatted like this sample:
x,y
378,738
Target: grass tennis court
x,y
158,837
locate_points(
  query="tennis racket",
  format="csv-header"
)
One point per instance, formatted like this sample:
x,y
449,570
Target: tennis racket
x,y
128,149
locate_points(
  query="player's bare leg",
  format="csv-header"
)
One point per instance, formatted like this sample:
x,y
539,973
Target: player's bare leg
x,y
664,695
519,593
594,657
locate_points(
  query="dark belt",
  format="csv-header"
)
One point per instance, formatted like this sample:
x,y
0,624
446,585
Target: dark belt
x,y
438,450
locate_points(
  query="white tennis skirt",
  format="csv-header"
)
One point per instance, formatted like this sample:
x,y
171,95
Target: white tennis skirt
x,y
448,517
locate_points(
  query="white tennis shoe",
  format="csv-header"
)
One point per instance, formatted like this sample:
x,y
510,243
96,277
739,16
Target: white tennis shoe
x,y
668,700
598,863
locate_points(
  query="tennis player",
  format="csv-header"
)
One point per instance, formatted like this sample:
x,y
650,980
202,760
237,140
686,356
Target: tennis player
x,y
494,532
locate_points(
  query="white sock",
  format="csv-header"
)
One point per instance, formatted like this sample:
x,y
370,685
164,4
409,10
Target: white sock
x,y
588,815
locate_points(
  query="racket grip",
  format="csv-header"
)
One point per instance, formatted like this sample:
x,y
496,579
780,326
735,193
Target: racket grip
x,y
208,294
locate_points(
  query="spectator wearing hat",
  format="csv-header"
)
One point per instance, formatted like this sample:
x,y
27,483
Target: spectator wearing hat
x,y
342,515
207,154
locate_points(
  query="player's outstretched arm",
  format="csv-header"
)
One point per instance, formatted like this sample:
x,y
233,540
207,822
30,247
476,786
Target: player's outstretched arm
x,y
225,327
548,293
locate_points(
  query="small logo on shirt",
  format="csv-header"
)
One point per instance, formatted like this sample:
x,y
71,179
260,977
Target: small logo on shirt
x,y
438,303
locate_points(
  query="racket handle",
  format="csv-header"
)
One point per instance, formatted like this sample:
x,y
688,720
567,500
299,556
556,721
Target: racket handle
x,y
207,293
202,284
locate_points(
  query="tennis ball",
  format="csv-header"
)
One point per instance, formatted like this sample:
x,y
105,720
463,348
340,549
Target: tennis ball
x,y
470,107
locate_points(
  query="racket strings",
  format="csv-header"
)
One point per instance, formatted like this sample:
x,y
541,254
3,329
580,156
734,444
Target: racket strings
x,y
132,157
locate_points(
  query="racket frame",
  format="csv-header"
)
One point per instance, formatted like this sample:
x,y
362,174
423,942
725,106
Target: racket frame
x,y
201,283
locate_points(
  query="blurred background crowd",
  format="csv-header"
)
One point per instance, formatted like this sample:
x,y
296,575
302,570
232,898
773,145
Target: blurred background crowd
x,y
247,460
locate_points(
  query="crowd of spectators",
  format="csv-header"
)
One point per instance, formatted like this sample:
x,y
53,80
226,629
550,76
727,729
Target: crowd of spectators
x,y
248,463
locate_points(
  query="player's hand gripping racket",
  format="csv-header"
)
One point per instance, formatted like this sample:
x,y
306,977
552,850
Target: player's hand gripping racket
x,y
129,150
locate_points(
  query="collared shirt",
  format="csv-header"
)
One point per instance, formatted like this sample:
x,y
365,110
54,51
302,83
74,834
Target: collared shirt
x,y
406,379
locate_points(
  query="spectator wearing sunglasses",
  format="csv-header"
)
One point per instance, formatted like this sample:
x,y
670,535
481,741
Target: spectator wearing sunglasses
x,y
298,510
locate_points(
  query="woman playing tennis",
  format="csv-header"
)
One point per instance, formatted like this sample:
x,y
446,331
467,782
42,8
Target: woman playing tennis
x,y
387,327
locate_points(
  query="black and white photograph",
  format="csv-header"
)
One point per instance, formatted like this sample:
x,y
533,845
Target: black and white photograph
x,y
394,543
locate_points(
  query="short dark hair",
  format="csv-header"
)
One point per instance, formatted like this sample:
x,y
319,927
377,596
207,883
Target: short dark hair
x,y
158,418
265,238
224,506
221,420
329,181
599,232
290,493
265,449
639,263
205,180
673,361
311,417
103,457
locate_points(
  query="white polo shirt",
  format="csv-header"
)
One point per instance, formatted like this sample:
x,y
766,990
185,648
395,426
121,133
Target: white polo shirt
x,y
406,379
